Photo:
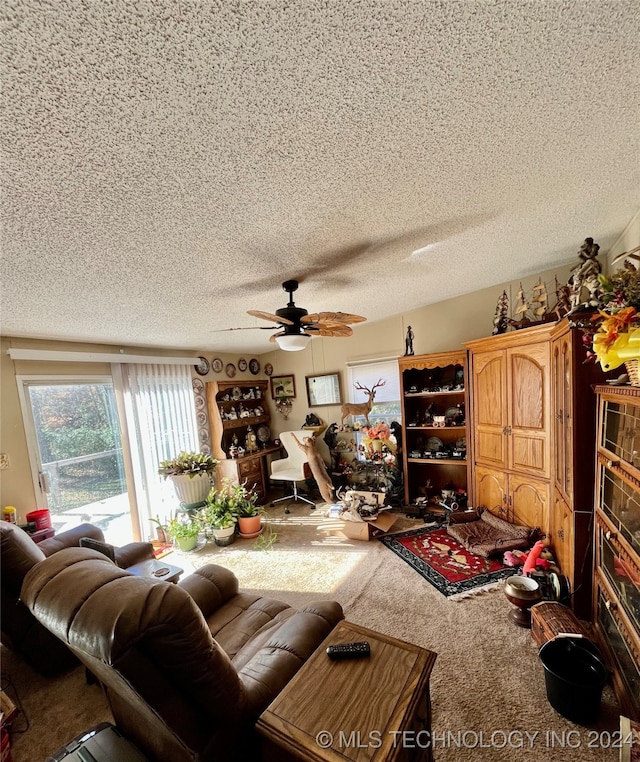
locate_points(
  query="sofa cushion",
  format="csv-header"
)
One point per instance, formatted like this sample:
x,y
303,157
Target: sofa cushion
x,y
19,553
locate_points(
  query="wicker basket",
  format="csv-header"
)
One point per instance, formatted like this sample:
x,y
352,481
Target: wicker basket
x,y
633,369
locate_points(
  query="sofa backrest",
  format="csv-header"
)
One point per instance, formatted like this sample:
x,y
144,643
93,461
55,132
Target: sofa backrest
x,y
171,687
18,553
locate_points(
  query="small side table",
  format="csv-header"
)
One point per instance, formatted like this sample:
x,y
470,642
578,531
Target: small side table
x,y
152,567
377,708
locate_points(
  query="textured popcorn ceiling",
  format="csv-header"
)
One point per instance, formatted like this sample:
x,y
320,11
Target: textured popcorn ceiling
x,y
167,164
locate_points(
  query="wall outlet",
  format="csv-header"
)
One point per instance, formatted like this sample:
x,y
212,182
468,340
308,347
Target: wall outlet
x,y
4,461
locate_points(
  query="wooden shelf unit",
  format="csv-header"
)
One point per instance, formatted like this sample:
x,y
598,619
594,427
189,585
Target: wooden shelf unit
x,y
423,373
251,467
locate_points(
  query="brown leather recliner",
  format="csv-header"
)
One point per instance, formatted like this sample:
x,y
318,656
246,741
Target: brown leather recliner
x,y
19,553
187,668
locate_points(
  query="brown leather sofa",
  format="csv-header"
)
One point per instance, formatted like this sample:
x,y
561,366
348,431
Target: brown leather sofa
x,y
187,668
20,631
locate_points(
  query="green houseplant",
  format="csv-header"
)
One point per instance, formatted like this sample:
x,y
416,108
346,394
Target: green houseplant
x,y
218,517
184,530
247,510
191,474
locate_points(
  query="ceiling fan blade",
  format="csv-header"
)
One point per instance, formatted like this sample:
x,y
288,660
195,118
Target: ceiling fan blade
x,y
333,317
269,316
244,328
334,329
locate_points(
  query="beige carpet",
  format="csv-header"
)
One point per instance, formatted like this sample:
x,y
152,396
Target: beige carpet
x,y
487,682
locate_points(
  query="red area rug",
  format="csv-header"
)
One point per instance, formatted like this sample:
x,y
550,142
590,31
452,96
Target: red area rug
x,y
444,563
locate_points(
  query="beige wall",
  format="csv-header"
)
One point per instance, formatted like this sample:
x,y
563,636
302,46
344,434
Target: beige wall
x,y
437,327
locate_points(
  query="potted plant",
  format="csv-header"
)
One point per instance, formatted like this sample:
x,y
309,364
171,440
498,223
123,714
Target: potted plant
x,y
218,517
249,514
184,530
191,474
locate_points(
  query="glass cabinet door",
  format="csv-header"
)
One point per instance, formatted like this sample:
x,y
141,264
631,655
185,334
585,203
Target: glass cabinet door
x,y
622,573
621,431
621,503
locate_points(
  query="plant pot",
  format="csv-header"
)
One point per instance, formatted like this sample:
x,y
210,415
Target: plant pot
x,y
191,491
187,543
376,445
250,526
224,536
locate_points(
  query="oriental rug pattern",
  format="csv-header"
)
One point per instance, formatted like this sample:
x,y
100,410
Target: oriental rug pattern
x,y
444,563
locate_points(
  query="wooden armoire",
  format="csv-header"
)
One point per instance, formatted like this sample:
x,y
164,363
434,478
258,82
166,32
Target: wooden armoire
x,y
533,417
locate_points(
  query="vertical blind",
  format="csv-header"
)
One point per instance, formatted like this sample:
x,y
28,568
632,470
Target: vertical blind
x,y
160,410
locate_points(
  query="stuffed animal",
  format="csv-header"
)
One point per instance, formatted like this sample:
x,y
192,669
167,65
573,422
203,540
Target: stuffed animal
x,y
317,466
530,563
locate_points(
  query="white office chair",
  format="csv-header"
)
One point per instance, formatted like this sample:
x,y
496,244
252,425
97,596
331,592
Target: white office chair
x,y
292,468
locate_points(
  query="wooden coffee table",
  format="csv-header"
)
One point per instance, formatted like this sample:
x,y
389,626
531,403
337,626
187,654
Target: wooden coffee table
x,y
366,710
155,568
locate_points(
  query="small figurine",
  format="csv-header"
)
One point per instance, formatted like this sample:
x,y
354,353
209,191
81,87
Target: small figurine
x,y
408,342
585,275
500,319
251,440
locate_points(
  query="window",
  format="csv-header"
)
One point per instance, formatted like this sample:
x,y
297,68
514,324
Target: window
x,y
386,406
161,420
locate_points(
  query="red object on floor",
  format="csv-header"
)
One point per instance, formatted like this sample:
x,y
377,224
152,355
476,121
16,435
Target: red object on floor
x,y
5,746
41,517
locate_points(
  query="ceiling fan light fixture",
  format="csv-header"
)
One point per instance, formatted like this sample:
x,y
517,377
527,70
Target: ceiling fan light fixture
x,y
293,342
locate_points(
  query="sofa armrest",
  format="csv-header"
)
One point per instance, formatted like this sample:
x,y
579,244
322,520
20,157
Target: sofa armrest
x,y
70,538
133,553
210,587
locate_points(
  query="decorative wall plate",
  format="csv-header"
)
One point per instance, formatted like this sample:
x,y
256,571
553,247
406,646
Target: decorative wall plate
x,y
242,364
230,369
200,401
197,384
204,448
203,434
268,369
254,366
263,434
202,368
216,365
201,417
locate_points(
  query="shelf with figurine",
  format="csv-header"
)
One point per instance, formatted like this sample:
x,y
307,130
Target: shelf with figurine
x,y
434,410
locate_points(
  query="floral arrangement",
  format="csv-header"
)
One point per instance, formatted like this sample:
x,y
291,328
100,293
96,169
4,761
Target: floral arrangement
x,y
380,431
614,335
376,438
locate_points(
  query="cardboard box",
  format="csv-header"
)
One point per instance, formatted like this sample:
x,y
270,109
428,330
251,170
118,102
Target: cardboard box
x,y
368,530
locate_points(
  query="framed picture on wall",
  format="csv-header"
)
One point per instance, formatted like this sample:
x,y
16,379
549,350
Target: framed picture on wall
x,y
323,389
283,386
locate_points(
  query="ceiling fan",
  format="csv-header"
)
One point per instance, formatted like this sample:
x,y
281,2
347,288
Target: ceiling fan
x,y
298,326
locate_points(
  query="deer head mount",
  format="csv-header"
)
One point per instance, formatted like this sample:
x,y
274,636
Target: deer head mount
x,y
361,408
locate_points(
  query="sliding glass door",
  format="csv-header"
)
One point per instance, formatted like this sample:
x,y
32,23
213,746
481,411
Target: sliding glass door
x,y
76,454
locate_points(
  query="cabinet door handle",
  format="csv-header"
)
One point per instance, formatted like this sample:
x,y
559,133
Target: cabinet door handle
x,y
561,534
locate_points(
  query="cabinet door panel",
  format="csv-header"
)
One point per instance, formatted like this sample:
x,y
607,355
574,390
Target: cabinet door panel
x,y
562,540
529,501
489,408
528,380
491,491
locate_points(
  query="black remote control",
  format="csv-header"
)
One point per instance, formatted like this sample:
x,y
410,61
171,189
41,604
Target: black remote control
x,y
349,650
